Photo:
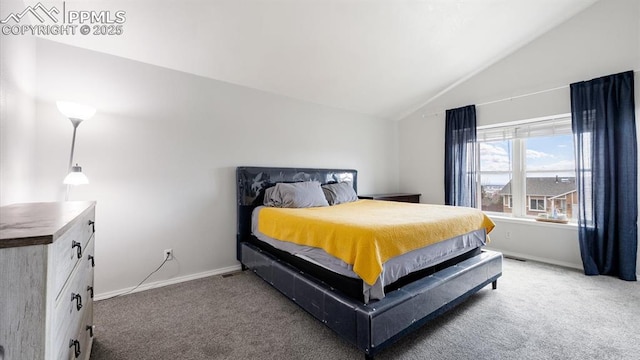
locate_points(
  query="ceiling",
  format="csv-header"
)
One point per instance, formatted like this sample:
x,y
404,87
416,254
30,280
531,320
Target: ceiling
x,y
380,58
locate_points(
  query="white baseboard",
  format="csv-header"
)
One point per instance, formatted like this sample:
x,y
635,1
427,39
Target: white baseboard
x,y
538,259
161,283
542,260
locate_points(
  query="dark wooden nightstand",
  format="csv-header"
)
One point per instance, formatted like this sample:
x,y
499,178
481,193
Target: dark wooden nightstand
x,y
402,197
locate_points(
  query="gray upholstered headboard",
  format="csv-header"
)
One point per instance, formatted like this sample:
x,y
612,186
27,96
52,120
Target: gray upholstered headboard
x,y
251,180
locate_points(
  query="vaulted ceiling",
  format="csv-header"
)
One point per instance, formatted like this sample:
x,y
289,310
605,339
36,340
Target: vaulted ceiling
x,y
384,58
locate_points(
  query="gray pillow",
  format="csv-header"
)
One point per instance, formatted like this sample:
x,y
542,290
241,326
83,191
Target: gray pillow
x,y
339,193
296,195
268,197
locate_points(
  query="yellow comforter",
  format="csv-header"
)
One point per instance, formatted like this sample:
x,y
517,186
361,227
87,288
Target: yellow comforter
x,y
367,233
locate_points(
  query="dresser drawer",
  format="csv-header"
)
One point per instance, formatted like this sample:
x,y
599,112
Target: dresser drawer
x,y
68,316
78,341
85,332
71,248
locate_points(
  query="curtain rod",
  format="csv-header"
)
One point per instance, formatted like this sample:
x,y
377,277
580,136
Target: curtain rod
x,y
521,96
510,98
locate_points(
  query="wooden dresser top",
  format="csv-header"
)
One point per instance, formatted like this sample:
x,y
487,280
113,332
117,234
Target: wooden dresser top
x,y
38,223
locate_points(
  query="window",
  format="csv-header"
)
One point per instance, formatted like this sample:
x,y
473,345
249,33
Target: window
x,y
527,168
536,204
507,201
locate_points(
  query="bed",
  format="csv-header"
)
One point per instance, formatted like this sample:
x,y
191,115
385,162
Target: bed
x,y
341,301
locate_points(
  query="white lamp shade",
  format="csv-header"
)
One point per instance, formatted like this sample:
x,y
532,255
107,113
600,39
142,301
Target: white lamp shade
x,y
76,177
75,111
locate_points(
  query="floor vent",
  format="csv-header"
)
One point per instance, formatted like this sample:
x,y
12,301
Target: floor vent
x,y
231,274
514,258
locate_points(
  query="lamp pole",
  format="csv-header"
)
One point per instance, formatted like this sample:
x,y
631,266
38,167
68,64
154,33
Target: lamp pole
x,y
76,113
75,123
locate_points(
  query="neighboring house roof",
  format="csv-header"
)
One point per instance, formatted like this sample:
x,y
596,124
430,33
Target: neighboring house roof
x,y
545,186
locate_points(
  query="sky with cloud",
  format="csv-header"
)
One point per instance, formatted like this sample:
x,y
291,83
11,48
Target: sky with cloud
x,y
545,156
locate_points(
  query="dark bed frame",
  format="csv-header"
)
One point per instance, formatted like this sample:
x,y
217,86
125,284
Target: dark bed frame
x,y
370,327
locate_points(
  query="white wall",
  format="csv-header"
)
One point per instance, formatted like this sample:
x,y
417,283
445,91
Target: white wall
x,y
161,154
602,40
161,151
17,113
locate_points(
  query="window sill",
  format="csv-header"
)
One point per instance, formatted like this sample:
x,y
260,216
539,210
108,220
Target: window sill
x,y
533,222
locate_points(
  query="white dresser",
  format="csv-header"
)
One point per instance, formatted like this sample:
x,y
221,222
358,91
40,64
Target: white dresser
x,y
46,280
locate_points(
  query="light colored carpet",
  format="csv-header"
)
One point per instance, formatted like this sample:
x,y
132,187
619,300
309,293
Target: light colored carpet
x,y
538,312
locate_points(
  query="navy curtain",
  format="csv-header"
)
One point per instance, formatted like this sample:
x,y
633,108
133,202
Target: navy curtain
x,y
603,121
460,157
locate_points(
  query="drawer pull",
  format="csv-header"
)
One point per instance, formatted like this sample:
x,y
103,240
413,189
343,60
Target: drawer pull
x,y
78,299
76,345
89,328
90,258
79,246
93,225
90,289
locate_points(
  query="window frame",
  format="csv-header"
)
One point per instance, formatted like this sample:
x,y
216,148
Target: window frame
x,y
508,204
538,200
519,201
